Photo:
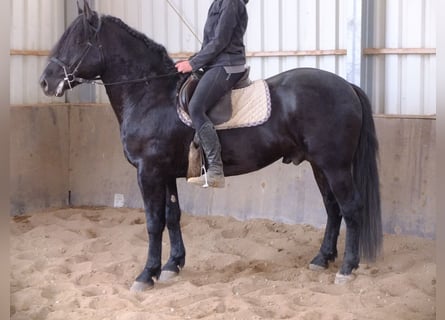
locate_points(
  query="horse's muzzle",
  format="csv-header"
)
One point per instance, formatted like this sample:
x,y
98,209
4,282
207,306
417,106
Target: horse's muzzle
x,y
57,89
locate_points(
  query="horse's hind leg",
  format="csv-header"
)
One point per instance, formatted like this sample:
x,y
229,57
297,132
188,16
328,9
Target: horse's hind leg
x,y
349,201
328,249
173,216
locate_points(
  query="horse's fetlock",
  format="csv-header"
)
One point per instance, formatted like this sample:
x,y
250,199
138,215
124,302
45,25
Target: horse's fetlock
x,y
321,261
349,265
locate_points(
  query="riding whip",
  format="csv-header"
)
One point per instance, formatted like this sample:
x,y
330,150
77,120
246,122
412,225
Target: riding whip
x,y
184,20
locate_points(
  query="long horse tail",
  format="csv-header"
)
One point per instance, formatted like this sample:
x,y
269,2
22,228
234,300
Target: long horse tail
x,y
366,178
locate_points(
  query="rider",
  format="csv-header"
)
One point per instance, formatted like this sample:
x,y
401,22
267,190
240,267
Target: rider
x,y
222,58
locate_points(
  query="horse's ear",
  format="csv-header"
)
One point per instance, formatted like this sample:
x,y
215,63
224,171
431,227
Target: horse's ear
x,y
79,9
86,9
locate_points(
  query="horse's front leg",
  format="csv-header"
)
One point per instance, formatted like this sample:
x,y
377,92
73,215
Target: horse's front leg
x,y
153,192
176,260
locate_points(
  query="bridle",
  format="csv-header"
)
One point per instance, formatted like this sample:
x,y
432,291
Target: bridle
x,y
70,77
70,71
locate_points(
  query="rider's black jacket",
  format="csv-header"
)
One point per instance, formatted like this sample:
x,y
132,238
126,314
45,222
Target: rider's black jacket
x,y
224,30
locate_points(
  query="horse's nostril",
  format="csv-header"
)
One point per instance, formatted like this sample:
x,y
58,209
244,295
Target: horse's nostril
x,y
44,84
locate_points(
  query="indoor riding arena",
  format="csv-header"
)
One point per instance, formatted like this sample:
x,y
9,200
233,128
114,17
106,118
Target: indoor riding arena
x,y
78,233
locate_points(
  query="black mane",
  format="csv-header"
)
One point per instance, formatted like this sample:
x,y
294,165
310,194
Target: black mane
x,y
168,63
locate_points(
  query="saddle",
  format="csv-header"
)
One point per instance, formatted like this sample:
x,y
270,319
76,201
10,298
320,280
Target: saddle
x,y
246,105
222,111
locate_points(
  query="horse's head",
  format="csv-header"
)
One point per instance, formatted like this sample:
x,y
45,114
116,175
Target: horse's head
x,y
76,57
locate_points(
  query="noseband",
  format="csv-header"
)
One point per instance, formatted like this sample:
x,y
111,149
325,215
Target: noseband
x,y
70,76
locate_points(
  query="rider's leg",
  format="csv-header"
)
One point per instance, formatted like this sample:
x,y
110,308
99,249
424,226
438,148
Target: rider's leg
x,y
214,84
212,148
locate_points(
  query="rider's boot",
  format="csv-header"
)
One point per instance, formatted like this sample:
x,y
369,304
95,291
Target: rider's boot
x,y
212,149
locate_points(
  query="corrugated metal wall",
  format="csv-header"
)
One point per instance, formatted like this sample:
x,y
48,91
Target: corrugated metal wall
x,y
402,78
282,34
36,25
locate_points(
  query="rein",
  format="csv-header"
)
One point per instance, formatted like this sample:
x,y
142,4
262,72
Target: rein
x,y
144,79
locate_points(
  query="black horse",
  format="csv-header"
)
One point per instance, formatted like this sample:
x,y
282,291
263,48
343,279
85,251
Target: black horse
x,y
316,116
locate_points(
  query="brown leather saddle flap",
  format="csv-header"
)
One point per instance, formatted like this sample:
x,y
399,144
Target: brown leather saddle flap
x,y
222,111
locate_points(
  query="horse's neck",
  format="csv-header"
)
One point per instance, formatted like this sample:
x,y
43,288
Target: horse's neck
x,y
126,59
145,94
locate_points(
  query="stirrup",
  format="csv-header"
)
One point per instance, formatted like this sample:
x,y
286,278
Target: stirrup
x,y
205,180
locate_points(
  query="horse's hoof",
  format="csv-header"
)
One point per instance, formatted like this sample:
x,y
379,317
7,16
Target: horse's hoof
x,y
167,275
140,286
316,267
343,278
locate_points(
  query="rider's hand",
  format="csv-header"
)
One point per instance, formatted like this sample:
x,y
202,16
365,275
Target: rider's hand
x,y
183,66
